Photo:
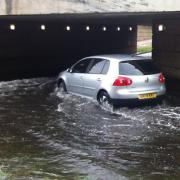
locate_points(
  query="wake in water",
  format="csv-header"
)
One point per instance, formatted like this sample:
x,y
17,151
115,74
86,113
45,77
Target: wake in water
x,y
161,115
130,130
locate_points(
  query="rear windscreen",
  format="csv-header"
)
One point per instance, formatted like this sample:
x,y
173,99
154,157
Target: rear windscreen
x,y
138,67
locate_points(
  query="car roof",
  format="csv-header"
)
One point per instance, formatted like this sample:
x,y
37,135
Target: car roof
x,y
120,57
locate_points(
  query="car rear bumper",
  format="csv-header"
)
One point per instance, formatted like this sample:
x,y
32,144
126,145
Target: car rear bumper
x,y
136,101
126,93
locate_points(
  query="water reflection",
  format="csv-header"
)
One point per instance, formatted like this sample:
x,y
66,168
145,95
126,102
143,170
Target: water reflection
x,y
45,134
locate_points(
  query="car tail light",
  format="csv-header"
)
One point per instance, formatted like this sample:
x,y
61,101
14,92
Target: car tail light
x,y
122,81
161,78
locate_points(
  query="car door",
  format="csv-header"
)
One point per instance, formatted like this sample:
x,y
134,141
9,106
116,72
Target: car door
x,y
94,76
75,76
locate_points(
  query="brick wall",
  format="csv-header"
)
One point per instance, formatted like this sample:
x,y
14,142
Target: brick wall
x,y
144,32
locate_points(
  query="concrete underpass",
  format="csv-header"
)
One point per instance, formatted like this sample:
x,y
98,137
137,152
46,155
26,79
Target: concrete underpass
x,y
43,45
46,134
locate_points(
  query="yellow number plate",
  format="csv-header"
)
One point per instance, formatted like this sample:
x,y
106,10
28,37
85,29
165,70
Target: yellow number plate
x,y
147,96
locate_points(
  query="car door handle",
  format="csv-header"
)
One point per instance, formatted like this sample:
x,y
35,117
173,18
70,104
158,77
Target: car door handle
x,y
98,79
81,77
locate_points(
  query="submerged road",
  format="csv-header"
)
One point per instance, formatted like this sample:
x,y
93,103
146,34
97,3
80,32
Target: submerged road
x,y
48,135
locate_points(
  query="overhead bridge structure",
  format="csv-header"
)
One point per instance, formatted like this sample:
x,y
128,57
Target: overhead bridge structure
x,y
43,45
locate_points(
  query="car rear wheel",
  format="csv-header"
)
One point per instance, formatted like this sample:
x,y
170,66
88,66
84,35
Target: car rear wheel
x,y
61,86
104,99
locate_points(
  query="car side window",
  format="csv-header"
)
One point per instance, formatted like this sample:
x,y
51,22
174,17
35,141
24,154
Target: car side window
x,y
96,66
81,66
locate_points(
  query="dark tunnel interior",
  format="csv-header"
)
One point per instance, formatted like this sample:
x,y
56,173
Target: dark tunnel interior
x,y
33,46
44,45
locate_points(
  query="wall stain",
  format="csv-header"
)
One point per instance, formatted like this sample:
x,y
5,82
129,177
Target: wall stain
x,y
9,6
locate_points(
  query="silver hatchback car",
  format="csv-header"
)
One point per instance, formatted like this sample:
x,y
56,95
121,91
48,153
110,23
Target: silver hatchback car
x,y
115,79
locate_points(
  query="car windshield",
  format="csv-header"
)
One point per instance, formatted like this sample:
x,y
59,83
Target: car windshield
x,y
138,67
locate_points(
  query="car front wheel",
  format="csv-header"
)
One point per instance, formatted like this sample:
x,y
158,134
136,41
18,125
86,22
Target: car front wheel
x,y
61,86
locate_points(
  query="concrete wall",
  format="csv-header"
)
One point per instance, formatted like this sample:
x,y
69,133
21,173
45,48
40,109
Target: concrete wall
x,y
166,46
80,6
3,7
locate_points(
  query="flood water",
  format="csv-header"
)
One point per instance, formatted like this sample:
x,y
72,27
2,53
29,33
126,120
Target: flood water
x,y
48,135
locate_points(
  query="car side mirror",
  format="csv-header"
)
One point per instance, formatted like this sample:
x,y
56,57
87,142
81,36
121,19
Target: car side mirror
x,y
69,70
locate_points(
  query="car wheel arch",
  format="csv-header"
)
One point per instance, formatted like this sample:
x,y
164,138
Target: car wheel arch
x,y
60,80
100,91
